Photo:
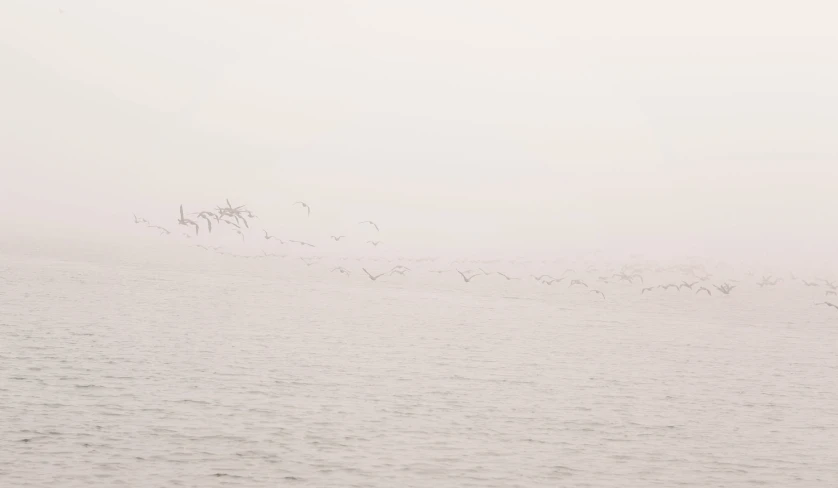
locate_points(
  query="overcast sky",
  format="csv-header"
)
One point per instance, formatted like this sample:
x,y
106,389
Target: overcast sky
x,y
528,125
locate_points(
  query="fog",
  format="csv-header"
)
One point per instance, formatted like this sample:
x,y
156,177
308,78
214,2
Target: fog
x,y
492,125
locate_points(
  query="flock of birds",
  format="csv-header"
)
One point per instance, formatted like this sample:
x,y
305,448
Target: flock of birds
x,y
694,277
236,220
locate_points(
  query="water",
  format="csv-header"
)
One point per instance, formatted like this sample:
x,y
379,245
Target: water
x,y
201,370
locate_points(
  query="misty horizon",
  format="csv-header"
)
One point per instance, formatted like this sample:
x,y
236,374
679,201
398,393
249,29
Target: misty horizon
x,y
451,130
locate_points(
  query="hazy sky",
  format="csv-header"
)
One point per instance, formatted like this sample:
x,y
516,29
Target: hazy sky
x,y
532,124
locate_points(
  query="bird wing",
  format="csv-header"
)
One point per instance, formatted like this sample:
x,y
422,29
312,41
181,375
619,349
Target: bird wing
x,y
245,223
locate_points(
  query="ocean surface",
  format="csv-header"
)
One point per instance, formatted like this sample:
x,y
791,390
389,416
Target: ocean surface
x,y
188,368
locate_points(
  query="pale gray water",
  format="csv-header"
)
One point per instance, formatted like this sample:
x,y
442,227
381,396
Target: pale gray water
x,y
170,372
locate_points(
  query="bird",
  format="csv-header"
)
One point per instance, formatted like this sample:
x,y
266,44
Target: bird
x,y
828,304
644,290
138,220
599,293
342,270
725,288
401,267
207,218
239,232
831,285
187,222
806,283
507,277
399,271
703,289
267,236
162,230
829,292
305,206
374,243
371,276
371,223
687,285
578,282
337,238
302,243
552,280
467,278
308,262
539,278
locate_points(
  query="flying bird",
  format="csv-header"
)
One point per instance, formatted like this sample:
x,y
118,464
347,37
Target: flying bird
x,y
337,238
162,230
703,289
371,276
267,236
369,222
507,277
302,243
828,304
187,222
305,206
599,293
374,243
342,270
467,278
725,288
644,290
578,282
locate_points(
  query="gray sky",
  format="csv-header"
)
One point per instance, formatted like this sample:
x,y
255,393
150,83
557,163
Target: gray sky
x,y
525,125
